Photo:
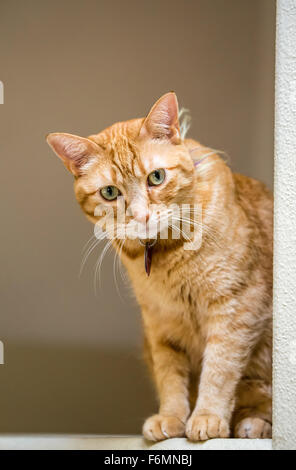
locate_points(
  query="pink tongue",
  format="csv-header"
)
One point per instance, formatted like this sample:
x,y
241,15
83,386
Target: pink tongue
x,y
148,257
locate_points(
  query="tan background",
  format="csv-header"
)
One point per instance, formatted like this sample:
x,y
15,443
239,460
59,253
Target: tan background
x,y
72,359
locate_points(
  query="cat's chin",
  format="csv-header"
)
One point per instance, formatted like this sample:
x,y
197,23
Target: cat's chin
x,y
146,235
143,237
142,240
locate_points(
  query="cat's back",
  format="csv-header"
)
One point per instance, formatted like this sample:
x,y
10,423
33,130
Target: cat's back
x,y
257,202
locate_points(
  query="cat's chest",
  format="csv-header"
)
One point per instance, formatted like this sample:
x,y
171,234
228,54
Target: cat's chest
x,y
172,290
176,310
173,304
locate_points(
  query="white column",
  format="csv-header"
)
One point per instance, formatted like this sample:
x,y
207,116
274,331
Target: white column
x,y
284,368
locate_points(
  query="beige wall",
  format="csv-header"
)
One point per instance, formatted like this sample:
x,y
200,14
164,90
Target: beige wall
x,y
72,361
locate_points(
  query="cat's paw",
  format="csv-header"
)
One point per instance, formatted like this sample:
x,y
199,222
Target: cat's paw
x,y
158,427
253,428
203,427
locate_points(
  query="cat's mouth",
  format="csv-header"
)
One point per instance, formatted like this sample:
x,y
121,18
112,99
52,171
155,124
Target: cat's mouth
x,y
148,231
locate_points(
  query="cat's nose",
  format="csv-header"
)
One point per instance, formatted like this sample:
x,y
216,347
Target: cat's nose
x,y
141,216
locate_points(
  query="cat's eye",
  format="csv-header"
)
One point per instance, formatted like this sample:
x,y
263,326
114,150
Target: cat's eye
x,y
110,193
156,177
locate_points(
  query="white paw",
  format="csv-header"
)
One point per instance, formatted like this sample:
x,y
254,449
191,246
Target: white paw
x,y
253,428
203,427
158,427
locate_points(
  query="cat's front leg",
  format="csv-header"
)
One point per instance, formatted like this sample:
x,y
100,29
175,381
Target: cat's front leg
x,y
170,369
229,342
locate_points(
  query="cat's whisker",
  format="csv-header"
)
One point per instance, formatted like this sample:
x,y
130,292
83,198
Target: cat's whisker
x,y
121,270
212,150
87,254
89,242
200,225
181,232
114,270
94,244
99,265
117,264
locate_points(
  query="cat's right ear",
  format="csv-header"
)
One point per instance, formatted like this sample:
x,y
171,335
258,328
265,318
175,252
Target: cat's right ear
x,y
73,150
162,121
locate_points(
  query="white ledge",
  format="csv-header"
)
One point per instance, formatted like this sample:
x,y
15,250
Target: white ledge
x,y
89,442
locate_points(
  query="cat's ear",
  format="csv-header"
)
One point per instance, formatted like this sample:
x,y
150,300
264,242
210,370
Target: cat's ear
x,y
73,150
162,120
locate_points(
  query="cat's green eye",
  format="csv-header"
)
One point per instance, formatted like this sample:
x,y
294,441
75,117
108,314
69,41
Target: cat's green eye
x,y
110,193
156,177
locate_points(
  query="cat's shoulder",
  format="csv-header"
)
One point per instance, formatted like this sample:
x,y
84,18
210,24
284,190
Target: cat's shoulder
x,y
255,199
251,188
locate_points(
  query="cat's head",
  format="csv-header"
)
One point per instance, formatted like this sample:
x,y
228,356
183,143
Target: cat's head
x,y
142,165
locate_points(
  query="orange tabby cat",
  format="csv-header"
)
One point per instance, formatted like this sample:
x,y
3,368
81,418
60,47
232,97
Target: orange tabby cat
x,y
207,312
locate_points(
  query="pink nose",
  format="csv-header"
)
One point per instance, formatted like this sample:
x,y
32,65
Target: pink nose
x,y
141,216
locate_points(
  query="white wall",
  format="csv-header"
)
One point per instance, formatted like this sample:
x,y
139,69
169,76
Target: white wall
x,y
284,396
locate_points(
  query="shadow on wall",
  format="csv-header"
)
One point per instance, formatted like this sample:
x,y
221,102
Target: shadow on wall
x,y
65,389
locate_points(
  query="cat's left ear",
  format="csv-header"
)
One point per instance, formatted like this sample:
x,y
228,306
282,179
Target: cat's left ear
x,y
162,121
